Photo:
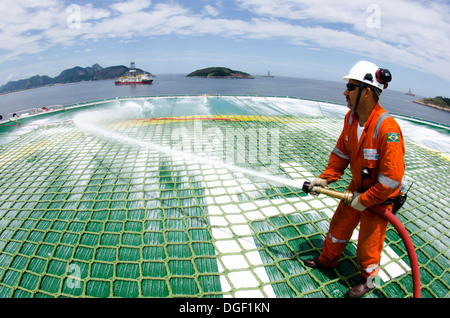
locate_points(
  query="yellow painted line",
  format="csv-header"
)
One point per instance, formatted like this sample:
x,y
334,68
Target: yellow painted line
x,y
19,152
22,151
230,118
434,151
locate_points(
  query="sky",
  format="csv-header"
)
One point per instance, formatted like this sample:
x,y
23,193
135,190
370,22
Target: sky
x,y
319,39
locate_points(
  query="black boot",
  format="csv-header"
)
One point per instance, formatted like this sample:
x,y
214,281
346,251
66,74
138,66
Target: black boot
x,y
314,263
360,289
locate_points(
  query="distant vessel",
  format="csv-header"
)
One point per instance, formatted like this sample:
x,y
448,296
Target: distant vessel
x,y
410,93
134,79
268,74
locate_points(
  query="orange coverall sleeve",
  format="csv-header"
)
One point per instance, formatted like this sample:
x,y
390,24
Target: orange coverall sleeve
x,y
391,166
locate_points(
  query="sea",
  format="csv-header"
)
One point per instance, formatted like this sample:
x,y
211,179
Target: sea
x,y
73,93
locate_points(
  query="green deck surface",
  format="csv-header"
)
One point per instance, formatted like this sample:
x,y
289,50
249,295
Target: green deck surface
x,y
84,215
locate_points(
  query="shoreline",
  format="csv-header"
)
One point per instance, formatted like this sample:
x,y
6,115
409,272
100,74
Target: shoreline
x,y
421,102
176,84
43,86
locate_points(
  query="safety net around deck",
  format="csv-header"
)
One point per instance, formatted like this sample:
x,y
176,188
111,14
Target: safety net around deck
x,y
111,209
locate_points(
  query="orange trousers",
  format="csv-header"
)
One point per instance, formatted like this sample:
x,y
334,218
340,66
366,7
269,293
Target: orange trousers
x,y
372,232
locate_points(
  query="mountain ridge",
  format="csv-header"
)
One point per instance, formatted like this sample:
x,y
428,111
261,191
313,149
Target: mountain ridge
x,y
71,75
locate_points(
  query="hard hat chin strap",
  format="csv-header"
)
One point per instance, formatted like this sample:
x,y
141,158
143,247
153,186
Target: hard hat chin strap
x,y
358,97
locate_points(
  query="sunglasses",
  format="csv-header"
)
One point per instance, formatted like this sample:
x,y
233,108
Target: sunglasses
x,y
352,87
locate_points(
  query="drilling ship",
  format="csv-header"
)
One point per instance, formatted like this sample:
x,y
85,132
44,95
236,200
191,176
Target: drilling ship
x,y
132,78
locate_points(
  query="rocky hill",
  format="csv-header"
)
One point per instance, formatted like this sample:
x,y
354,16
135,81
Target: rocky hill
x,y
438,102
76,74
219,72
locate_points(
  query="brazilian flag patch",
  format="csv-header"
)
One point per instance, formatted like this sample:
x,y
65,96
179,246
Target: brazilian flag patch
x,y
393,137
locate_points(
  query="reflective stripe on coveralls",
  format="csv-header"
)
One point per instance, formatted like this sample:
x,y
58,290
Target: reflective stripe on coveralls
x,y
340,153
383,157
388,182
335,240
369,269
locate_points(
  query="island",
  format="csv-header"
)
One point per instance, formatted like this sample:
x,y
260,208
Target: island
x,y
72,75
439,102
219,72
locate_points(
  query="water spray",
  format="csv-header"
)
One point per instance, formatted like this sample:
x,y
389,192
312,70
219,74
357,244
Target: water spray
x,y
85,123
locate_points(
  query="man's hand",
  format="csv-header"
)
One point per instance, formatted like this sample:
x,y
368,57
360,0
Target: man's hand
x,y
355,202
318,182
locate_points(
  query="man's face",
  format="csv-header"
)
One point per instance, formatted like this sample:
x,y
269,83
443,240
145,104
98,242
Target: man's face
x,y
351,95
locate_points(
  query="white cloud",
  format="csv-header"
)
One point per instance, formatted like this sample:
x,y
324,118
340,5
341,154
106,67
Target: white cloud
x,y
163,19
414,34
209,10
131,6
33,26
410,33
88,13
308,10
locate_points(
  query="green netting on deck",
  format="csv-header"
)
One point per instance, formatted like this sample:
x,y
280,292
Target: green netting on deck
x,y
84,215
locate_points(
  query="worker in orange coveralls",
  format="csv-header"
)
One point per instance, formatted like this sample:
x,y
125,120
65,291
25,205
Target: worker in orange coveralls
x,y
372,143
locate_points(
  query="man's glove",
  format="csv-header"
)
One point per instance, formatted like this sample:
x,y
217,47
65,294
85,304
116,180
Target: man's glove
x,y
355,202
318,182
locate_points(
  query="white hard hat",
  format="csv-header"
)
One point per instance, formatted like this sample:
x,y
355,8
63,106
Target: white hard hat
x,y
369,73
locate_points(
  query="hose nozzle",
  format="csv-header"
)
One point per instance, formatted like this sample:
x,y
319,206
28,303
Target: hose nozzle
x,y
345,196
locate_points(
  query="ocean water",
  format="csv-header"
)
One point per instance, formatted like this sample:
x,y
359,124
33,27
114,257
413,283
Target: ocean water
x,y
393,101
